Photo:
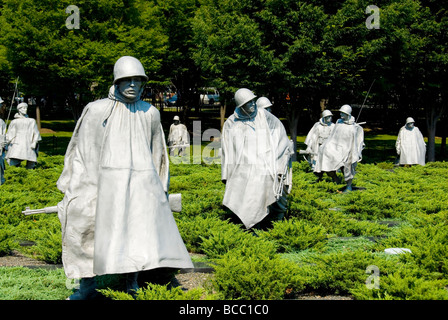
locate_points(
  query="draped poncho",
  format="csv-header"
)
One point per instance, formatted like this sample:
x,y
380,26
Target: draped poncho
x,y
255,150
411,146
316,137
2,152
23,136
343,148
115,215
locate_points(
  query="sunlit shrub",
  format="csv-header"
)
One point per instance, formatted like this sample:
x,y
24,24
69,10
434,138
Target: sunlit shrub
x,y
294,234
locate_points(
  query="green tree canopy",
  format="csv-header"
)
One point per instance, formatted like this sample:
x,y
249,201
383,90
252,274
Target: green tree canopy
x,y
57,62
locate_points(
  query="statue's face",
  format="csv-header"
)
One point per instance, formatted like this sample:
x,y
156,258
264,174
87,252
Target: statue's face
x,y
130,87
22,109
327,119
249,107
345,116
410,125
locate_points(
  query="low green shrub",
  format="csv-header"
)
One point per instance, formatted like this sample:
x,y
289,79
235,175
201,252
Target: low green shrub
x,y
220,241
294,234
427,238
335,272
6,244
45,232
195,230
404,283
245,273
158,292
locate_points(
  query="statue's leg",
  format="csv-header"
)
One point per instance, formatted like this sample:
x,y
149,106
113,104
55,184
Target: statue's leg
x,y
86,291
131,283
319,176
30,164
334,176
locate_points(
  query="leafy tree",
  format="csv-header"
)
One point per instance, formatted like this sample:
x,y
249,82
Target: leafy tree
x,y
229,47
75,65
293,33
178,66
405,55
271,47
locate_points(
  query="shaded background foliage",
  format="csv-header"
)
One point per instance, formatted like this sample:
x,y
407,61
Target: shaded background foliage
x,y
303,55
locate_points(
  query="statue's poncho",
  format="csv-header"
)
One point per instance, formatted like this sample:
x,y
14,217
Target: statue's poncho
x,y
411,146
23,136
342,149
2,152
255,150
115,215
316,137
178,136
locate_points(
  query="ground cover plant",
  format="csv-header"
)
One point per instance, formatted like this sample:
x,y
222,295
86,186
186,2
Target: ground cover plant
x,y
324,246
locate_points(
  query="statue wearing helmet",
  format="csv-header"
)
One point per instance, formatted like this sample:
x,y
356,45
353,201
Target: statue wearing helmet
x,y
128,67
115,215
264,103
320,131
178,138
255,163
23,137
410,145
342,149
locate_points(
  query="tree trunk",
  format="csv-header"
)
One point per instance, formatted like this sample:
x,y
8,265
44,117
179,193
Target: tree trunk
x,y
443,143
432,116
38,116
222,111
293,124
293,121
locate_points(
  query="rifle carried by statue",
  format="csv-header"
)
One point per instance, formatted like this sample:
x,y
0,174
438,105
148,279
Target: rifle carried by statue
x,y
174,199
279,183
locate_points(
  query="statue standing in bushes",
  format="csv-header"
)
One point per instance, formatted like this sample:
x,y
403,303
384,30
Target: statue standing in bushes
x,y
410,144
23,138
2,146
178,138
115,214
343,148
264,103
320,132
255,163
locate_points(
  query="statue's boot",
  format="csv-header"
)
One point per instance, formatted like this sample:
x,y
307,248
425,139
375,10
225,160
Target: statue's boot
x,y
86,291
131,283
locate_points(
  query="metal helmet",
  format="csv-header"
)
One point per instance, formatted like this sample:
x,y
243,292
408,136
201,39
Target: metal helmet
x,y
346,109
1,100
243,96
176,118
263,102
409,120
127,67
326,113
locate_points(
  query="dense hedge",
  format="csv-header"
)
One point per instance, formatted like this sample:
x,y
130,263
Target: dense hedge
x,y
324,245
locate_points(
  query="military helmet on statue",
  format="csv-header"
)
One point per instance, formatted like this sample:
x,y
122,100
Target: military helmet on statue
x,y
127,67
346,109
409,120
264,103
243,96
326,113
